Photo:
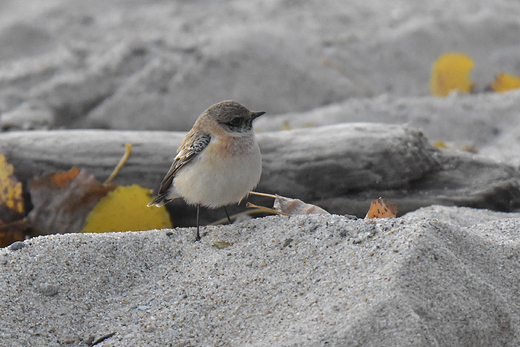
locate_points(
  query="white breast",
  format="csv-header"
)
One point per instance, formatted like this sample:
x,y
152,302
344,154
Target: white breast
x,y
213,179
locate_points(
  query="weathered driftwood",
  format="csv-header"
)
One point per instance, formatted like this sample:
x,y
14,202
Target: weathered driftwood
x,y
340,168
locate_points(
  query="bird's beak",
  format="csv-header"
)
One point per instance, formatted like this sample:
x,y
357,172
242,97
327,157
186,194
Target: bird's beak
x,y
255,115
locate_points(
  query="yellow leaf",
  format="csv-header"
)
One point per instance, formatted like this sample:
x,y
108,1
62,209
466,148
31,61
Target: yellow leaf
x,y
451,72
124,209
10,188
285,125
439,144
221,244
504,82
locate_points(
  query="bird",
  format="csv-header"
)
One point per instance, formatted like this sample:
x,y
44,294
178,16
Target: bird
x,y
218,163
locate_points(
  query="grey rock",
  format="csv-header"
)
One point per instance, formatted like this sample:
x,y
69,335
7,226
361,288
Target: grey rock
x,y
17,245
48,289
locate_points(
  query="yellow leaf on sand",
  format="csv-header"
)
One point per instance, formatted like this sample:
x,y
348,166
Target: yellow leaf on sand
x,y
221,244
124,209
504,82
451,72
10,188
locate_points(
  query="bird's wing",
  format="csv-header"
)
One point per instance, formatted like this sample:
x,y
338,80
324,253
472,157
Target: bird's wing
x,y
192,145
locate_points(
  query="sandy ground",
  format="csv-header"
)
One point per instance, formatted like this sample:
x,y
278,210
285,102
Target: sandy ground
x,y
439,276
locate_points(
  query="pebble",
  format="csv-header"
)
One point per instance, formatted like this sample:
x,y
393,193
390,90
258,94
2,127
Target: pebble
x,y
48,289
17,245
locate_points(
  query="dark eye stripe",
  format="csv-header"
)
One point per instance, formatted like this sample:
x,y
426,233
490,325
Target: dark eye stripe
x,y
235,122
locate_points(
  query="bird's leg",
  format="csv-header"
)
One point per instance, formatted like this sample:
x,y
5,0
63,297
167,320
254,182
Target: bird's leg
x,y
227,215
197,238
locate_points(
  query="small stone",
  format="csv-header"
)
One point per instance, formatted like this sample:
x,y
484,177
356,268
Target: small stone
x,y
287,242
48,289
90,339
17,245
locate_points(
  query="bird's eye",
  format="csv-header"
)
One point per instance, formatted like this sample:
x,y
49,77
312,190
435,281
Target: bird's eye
x,y
235,122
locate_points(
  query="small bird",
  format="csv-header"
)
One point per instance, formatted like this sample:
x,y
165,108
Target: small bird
x,y
218,162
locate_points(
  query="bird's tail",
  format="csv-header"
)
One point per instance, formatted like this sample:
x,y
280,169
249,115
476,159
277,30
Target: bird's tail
x,y
160,200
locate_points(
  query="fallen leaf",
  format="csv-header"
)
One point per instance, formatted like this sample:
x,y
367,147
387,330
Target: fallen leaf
x,y
11,200
287,206
286,125
381,208
62,201
439,144
124,209
451,72
296,206
221,244
504,82
62,179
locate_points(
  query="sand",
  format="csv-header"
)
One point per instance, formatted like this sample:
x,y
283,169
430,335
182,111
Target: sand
x,y
439,276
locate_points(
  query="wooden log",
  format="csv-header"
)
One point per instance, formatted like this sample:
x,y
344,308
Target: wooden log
x,y
36,153
340,168
338,160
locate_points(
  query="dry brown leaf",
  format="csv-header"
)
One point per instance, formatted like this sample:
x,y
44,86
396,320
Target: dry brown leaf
x,y
286,206
381,208
296,206
62,201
